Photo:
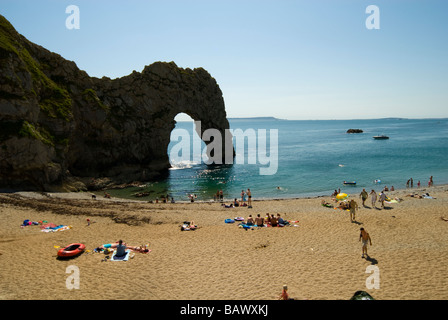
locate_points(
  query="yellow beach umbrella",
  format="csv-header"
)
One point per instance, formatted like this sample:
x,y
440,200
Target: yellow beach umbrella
x,y
342,196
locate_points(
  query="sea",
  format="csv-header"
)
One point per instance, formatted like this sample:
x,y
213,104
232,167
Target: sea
x,y
307,158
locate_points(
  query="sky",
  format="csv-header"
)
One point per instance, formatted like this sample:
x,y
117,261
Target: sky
x,y
289,59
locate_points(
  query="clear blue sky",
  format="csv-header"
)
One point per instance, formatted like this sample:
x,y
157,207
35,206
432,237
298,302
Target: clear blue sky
x,y
289,59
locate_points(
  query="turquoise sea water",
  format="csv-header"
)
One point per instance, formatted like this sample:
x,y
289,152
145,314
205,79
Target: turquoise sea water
x,y
314,158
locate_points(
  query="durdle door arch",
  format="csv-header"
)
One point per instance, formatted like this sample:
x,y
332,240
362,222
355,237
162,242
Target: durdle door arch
x,y
61,129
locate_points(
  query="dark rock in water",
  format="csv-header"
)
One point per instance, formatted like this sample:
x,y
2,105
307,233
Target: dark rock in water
x,y
354,131
60,128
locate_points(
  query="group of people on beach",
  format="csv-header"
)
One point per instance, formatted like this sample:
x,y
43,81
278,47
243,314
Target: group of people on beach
x,y
246,199
373,196
270,219
410,182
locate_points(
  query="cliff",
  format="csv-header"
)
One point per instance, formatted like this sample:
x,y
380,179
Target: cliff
x,y
61,129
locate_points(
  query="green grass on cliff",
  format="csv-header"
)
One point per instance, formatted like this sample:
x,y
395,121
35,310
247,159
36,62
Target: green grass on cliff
x,y
24,129
55,101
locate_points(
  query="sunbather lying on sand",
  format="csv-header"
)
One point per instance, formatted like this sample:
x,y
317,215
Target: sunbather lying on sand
x,y
141,249
109,246
187,226
343,205
327,204
424,196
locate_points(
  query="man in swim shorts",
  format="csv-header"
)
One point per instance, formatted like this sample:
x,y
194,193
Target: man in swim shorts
x,y
365,238
363,196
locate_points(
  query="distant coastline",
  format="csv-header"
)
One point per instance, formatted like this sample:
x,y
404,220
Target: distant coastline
x,y
258,118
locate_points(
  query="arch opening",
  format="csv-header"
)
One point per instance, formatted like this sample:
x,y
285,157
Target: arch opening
x,y
185,147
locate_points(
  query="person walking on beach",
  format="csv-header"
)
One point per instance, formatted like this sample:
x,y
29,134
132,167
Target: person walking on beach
x,y
363,196
353,208
430,182
373,198
365,238
382,198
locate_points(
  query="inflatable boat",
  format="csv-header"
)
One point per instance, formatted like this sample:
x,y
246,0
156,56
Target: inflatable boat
x,y
71,250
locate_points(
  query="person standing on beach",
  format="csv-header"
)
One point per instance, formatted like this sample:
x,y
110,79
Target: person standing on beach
x,y
365,238
431,182
363,196
242,197
249,198
373,198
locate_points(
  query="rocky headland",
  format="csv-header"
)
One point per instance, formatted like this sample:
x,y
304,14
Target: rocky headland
x,y
61,129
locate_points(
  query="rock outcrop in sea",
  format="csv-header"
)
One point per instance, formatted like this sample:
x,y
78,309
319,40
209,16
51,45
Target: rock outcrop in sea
x,y
61,129
355,131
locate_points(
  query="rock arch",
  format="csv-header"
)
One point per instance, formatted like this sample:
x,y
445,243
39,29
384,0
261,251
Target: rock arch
x,y
140,114
82,127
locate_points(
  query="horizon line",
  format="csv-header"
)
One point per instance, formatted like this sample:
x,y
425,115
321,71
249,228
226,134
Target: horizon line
x,y
279,119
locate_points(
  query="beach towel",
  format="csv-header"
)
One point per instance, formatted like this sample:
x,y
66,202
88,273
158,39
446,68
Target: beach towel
x,y
123,258
391,201
55,229
246,226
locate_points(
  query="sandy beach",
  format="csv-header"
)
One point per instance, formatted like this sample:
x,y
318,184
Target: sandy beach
x,y
318,257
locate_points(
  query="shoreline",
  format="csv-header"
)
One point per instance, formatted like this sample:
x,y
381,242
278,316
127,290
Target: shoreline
x,y
87,195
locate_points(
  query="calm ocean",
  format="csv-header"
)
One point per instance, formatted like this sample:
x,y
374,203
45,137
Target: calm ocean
x,y
315,158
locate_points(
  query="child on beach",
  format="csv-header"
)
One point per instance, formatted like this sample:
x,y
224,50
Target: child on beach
x,y
284,295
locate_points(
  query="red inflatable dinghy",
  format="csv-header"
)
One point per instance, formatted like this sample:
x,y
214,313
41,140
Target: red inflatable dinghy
x,y
71,250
